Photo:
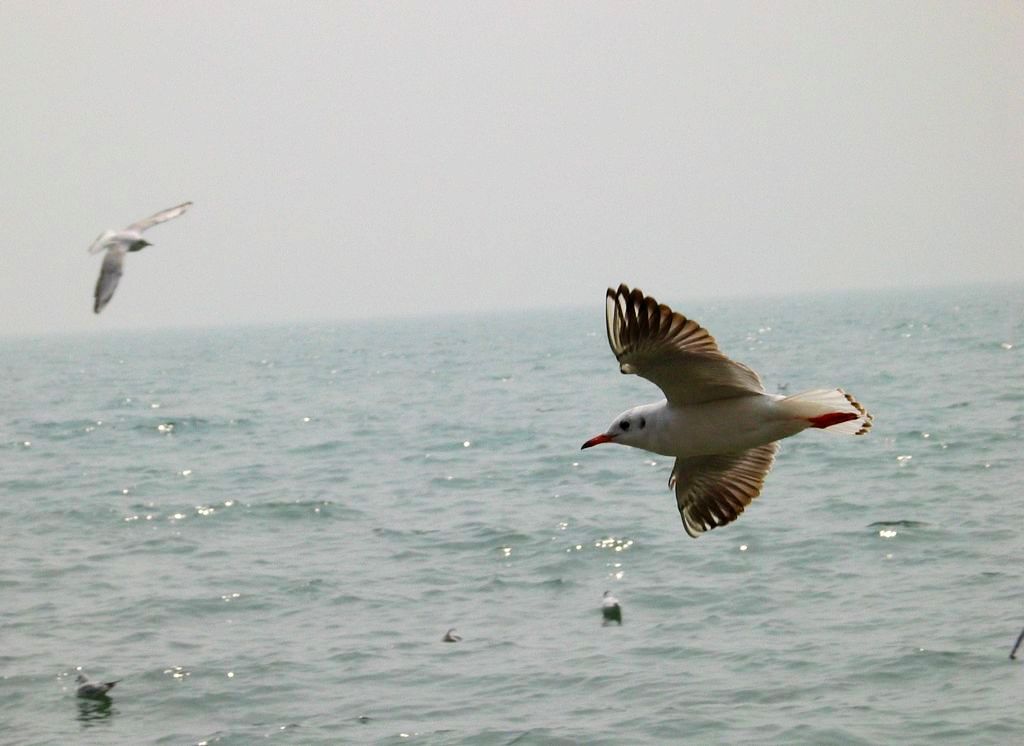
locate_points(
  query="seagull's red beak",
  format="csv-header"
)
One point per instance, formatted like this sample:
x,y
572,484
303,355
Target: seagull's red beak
x,y
597,440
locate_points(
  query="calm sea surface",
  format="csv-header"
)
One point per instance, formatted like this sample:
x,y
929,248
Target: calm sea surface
x,y
265,532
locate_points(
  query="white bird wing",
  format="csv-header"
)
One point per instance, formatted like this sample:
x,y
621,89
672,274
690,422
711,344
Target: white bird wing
x,y
675,353
160,217
712,491
110,275
101,241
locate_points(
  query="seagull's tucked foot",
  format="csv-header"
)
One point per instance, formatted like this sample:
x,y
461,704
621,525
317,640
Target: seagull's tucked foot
x,y
832,418
831,409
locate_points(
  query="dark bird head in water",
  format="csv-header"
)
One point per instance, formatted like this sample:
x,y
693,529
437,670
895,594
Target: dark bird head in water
x,y
139,245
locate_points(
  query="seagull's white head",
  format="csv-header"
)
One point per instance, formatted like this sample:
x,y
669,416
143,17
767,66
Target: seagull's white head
x,y
628,429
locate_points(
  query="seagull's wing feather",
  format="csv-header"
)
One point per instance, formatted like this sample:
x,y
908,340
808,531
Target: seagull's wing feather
x,y
110,275
160,217
675,353
712,491
101,241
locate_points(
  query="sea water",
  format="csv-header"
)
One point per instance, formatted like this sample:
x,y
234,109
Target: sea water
x,y
264,532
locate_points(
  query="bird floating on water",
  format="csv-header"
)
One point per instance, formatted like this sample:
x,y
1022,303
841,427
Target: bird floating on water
x,y
611,610
450,636
91,690
716,419
116,244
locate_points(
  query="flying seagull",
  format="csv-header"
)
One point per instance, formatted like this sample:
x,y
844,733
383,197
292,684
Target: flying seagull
x,y
89,690
716,419
610,609
117,243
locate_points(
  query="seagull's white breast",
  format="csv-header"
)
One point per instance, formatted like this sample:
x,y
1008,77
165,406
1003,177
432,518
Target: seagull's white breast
x,y
720,426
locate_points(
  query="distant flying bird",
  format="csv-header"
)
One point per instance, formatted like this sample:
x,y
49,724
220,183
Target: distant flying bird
x,y
89,690
716,419
611,610
450,636
117,243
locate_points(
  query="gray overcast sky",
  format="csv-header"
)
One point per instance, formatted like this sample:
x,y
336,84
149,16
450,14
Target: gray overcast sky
x,y
349,159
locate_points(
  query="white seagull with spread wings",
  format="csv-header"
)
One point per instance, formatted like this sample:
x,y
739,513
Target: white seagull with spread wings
x,y
716,419
116,244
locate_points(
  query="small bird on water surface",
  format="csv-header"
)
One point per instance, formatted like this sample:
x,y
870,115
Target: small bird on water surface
x,y
450,636
117,244
611,610
716,419
89,690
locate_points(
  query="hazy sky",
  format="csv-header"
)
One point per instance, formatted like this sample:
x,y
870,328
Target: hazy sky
x,y
350,159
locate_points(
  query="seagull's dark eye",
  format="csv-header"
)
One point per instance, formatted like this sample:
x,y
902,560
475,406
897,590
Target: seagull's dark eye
x,y
624,425
642,423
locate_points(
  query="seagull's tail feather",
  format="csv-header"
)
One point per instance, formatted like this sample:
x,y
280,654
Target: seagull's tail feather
x,y
831,409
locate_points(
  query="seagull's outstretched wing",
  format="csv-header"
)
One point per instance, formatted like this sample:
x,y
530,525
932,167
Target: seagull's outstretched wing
x,y
712,491
675,353
160,217
110,275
